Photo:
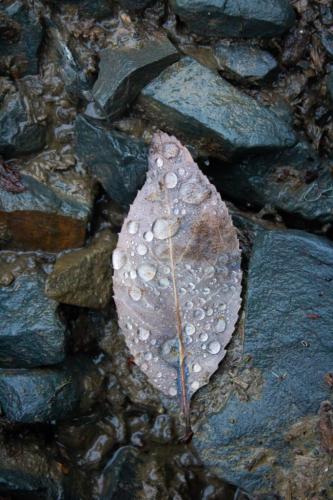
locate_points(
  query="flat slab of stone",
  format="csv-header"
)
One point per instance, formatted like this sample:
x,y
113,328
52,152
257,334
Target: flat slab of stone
x,y
118,161
31,333
235,18
124,72
51,213
195,102
84,277
241,61
264,435
293,182
37,395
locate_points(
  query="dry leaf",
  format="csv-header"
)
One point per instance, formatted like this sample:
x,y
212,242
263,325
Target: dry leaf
x,y
177,277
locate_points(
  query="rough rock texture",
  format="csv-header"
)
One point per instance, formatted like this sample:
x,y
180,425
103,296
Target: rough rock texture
x,y
19,132
124,72
27,469
116,160
241,61
84,277
191,100
235,18
135,4
293,182
37,395
31,333
264,434
50,214
19,50
330,86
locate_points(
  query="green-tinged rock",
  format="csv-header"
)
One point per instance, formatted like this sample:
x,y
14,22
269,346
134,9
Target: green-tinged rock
x,y
37,395
84,277
19,52
116,160
135,4
193,101
235,18
31,333
262,431
19,133
28,468
293,182
123,72
52,211
241,61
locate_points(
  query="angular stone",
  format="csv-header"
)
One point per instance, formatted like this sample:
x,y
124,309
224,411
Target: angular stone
x,y
263,434
19,133
195,102
135,4
124,72
116,160
241,61
31,332
235,18
84,277
52,212
28,468
37,395
19,53
293,182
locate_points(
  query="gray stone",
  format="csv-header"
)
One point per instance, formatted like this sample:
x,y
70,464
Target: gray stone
x,y
241,61
19,134
135,4
84,277
19,53
193,101
327,41
235,18
31,333
263,434
293,182
124,72
330,86
52,211
116,160
37,395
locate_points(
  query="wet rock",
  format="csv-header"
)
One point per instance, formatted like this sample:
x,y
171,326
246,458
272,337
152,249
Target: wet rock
x,y
119,478
327,41
52,211
162,431
96,9
235,18
195,102
31,332
124,72
263,435
135,4
37,395
20,132
19,50
330,86
84,277
28,469
293,182
242,61
116,160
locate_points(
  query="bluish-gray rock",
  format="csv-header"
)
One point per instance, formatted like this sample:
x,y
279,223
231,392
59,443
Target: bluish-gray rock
x,y
241,61
37,395
116,160
235,18
135,4
31,333
293,182
329,85
19,54
19,134
192,101
263,435
124,72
